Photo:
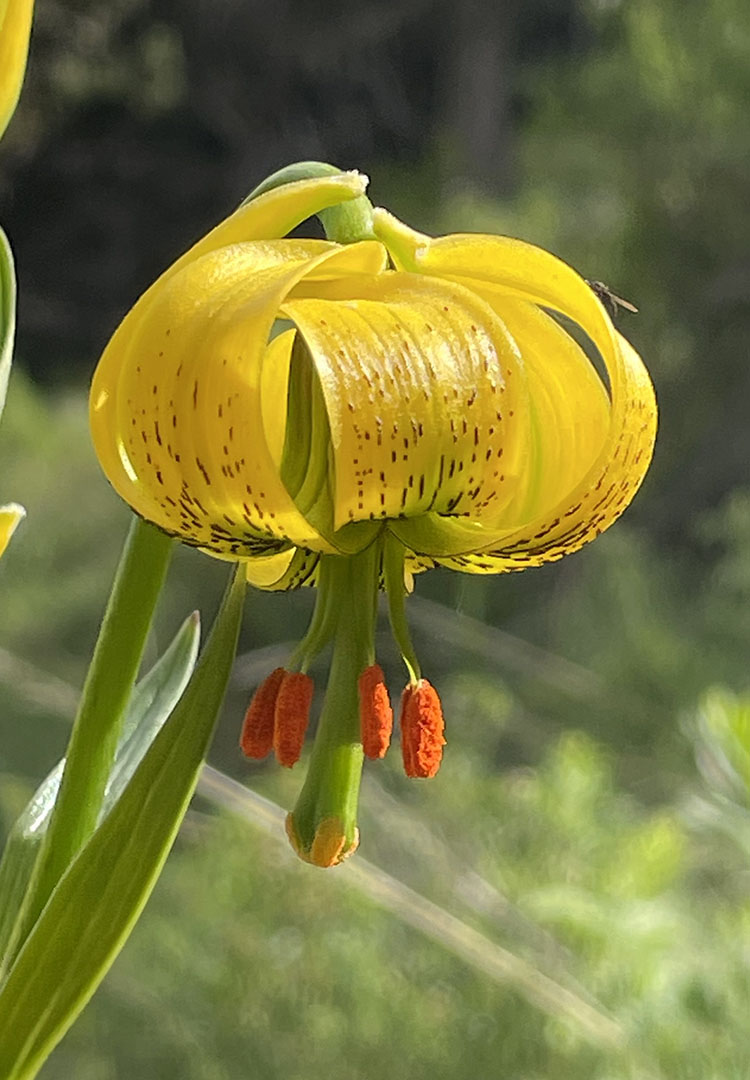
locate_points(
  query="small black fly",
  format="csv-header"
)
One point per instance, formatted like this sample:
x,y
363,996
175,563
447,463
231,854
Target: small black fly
x,y
610,302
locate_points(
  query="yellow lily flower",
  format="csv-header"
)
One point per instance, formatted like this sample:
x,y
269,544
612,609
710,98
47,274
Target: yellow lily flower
x,y
15,27
349,414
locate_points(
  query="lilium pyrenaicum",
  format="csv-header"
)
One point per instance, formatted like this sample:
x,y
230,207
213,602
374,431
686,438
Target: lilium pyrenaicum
x,y
348,414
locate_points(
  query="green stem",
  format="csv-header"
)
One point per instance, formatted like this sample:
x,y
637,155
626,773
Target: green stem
x,y
346,223
331,788
322,625
96,729
393,574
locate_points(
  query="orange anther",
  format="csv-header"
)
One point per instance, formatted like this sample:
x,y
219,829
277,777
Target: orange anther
x,y
291,715
375,712
422,726
256,739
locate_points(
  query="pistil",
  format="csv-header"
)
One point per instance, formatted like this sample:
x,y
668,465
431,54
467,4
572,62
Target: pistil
x,y
323,825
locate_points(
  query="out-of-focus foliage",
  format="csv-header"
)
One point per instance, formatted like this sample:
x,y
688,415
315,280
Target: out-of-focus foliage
x,y
721,733
247,965
570,822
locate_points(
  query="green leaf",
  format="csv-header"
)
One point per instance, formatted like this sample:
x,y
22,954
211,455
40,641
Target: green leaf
x,y
99,720
7,314
153,700
98,899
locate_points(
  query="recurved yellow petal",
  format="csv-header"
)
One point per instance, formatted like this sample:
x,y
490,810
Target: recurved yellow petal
x,y
570,411
181,384
423,393
15,27
505,271
271,216
276,399
266,218
288,570
10,516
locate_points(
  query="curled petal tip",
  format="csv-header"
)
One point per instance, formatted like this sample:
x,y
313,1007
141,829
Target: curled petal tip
x,y
362,180
401,240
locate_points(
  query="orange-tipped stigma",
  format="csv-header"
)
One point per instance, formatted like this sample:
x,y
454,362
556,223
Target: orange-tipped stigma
x,y
290,716
375,712
256,738
422,727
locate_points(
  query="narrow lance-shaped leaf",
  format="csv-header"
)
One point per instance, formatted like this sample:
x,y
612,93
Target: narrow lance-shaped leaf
x,y
153,700
101,712
99,898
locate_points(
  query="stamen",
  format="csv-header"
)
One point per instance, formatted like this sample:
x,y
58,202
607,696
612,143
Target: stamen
x,y
290,717
375,712
256,739
422,727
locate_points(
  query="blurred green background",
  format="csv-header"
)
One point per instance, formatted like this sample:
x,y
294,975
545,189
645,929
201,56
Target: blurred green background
x,y
570,896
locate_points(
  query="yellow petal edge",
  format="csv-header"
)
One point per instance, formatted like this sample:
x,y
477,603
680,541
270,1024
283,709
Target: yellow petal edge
x,y
15,27
10,516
